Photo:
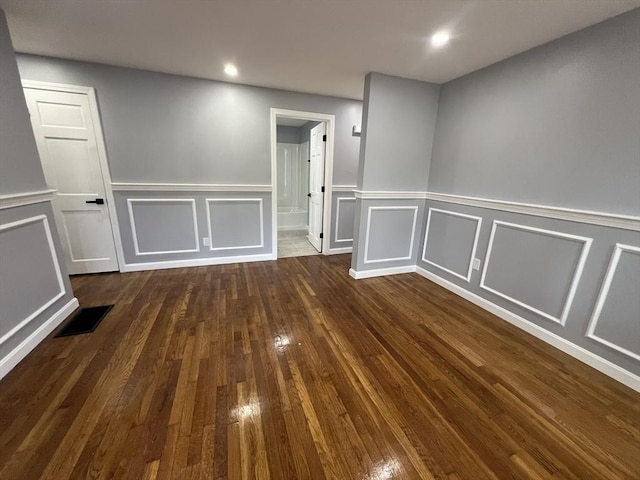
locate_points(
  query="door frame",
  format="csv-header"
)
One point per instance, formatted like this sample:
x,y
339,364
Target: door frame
x,y
330,121
102,152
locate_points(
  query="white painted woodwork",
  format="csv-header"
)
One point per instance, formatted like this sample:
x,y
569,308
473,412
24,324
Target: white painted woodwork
x,y
316,182
67,143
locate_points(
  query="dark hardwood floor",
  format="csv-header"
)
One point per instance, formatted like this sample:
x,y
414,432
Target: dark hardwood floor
x,y
293,370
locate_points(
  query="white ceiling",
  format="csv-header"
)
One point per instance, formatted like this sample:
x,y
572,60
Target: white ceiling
x,y
320,46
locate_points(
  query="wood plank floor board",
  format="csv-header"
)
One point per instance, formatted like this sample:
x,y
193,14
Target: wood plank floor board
x,y
293,370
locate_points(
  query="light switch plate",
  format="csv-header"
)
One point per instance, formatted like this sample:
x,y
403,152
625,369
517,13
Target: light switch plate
x,y
476,264
205,241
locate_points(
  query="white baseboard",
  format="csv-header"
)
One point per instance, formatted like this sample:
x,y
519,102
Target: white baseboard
x,y
381,272
605,366
194,262
29,343
337,251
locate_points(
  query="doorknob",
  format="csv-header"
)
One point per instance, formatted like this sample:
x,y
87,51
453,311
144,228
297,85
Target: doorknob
x,y
98,201
309,195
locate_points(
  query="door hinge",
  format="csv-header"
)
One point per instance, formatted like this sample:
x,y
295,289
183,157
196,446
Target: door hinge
x,y
322,189
322,235
324,138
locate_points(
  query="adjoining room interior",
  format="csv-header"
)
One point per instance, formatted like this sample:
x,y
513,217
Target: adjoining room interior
x,y
366,240
294,188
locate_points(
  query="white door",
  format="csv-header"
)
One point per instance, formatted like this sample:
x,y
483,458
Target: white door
x,y
316,185
67,144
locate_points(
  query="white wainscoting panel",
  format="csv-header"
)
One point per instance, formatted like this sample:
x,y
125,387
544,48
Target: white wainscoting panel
x,y
586,245
370,211
257,201
478,221
337,219
134,232
56,267
602,298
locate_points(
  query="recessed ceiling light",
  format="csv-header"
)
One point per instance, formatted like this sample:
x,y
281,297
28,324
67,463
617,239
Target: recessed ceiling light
x,y
231,70
440,39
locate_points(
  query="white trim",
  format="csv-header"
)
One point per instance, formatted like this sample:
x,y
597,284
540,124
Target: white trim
x,y
189,187
381,272
367,234
627,222
102,153
258,200
344,188
341,250
134,233
56,266
389,195
614,220
195,262
26,198
338,199
478,220
17,354
605,366
576,275
602,298
330,122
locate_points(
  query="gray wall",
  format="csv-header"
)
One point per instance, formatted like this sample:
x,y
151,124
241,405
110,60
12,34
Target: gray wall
x,y
171,129
557,125
397,133
20,168
30,281
398,125
164,225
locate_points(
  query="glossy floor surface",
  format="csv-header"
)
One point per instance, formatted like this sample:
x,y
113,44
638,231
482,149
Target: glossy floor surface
x,y
293,370
294,243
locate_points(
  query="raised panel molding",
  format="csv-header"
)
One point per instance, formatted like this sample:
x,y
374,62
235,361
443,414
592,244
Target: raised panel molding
x,y
576,274
370,210
478,221
131,201
602,298
237,247
337,219
56,266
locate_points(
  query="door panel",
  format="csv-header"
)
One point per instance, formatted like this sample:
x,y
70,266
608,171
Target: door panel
x,y
316,182
67,144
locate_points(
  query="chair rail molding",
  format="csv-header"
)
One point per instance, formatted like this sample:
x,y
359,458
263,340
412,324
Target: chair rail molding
x,y
189,187
626,222
26,198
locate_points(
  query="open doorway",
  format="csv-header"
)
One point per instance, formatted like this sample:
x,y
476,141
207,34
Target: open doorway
x,y
302,153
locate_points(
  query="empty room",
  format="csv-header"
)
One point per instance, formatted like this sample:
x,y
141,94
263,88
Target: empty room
x,y
341,240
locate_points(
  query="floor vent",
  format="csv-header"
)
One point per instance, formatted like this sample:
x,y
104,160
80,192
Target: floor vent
x,y
85,321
